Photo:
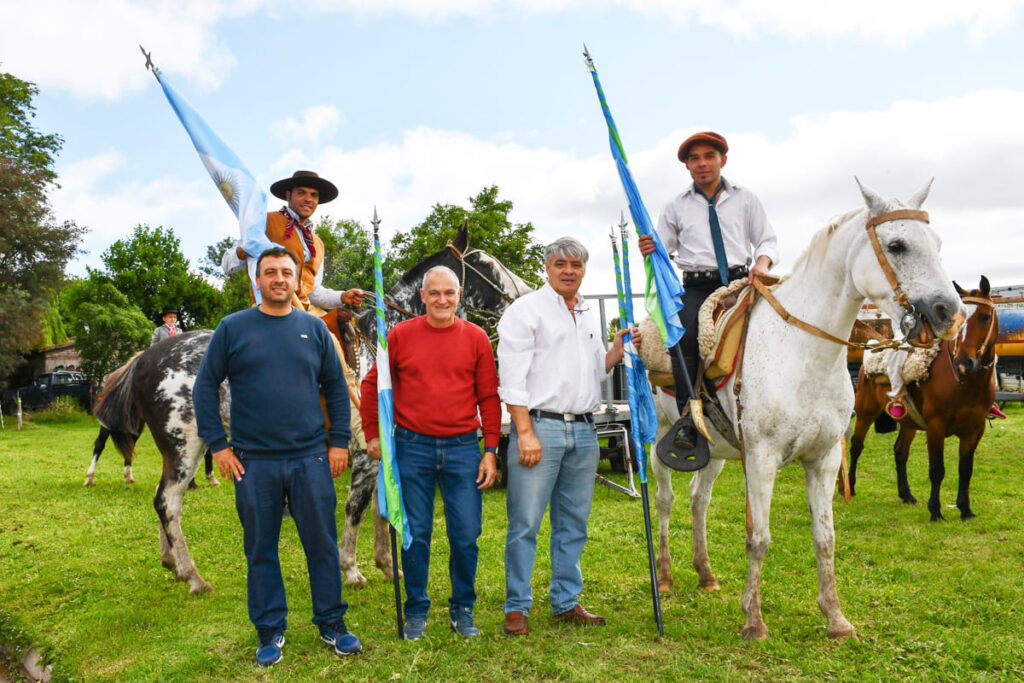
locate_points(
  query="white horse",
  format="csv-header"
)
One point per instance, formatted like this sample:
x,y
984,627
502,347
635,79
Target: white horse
x,y
795,395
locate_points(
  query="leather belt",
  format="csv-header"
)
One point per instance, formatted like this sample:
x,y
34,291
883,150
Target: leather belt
x,y
564,417
693,277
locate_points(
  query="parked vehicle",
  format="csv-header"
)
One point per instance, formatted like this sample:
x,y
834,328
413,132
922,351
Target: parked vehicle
x,y
49,386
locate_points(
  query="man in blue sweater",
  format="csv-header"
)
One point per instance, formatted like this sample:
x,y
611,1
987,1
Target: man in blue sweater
x,y
278,360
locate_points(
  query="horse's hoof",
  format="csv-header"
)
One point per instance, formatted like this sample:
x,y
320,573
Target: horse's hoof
x,y
842,631
664,587
964,516
355,579
937,517
197,586
213,480
758,632
129,480
89,482
909,500
710,586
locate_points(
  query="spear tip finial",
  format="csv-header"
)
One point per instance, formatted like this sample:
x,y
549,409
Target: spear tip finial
x,y
149,62
587,58
622,220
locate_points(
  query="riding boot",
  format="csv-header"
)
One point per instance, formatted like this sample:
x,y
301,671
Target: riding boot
x,y
686,435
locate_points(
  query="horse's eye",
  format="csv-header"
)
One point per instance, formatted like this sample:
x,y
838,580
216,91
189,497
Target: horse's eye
x,y
985,318
897,247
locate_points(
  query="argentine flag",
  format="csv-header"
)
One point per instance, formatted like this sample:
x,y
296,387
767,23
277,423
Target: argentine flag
x,y
389,486
235,183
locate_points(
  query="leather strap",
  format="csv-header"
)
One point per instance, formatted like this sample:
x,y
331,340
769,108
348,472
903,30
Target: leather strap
x,y
874,221
797,322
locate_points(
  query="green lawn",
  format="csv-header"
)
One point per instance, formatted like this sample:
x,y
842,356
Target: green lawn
x,y
81,578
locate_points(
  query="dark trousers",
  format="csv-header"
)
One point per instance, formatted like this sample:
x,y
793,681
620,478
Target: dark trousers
x,y
259,500
426,463
693,297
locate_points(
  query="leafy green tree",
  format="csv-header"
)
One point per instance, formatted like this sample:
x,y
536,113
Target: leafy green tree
x,y
108,329
34,248
234,290
348,255
489,228
151,271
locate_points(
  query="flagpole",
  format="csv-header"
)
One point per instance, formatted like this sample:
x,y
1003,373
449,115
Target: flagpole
x,y
379,296
625,311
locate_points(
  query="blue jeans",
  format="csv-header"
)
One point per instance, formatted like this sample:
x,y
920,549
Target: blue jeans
x,y
451,463
259,499
565,478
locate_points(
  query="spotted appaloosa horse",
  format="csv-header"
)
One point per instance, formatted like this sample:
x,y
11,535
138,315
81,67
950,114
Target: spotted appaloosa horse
x,y
488,288
155,390
953,400
794,389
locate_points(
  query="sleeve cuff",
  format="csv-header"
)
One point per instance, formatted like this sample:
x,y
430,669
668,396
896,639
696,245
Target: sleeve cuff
x,y
515,397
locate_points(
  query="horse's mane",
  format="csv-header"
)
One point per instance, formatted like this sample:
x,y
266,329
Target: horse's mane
x,y
814,255
111,378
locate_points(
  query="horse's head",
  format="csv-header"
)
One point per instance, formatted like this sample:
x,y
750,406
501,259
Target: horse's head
x,y
899,269
975,347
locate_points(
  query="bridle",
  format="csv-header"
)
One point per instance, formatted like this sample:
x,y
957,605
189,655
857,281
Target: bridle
x,y
911,323
953,349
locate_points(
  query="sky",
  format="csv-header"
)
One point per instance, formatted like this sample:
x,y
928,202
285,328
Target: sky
x,y
405,104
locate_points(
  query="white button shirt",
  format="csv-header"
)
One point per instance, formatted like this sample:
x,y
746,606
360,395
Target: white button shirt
x,y
547,360
684,228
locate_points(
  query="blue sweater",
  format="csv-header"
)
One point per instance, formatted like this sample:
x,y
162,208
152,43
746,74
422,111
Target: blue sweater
x,y
277,367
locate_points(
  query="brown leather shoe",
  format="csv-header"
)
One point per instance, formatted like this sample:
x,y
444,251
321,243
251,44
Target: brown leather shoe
x,y
579,615
515,623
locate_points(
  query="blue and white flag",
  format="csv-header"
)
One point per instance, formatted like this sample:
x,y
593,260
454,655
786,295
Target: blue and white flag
x,y
234,181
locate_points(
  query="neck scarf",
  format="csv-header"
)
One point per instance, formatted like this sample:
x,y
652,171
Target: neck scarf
x,y
304,230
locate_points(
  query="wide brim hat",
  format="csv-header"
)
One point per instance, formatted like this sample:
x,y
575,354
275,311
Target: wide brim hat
x,y
325,187
169,309
707,137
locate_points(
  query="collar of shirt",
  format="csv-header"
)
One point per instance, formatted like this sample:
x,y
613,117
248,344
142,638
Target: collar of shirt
x,y
727,189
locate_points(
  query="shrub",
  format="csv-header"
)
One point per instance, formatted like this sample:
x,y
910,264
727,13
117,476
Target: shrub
x,y
64,409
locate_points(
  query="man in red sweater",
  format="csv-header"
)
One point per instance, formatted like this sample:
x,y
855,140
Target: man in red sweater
x,y
445,386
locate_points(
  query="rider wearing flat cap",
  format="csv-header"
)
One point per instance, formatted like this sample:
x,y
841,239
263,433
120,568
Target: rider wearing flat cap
x,y
716,231
292,228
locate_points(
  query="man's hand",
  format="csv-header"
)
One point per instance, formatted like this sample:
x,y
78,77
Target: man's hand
x,y
646,243
760,268
338,458
488,471
637,337
353,298
230,263
373,448
529,449
228,464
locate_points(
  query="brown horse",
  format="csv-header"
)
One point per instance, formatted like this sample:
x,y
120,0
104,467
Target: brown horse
x,y
953,400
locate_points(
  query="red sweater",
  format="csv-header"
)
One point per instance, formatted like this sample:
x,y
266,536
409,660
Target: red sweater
x,y
439,376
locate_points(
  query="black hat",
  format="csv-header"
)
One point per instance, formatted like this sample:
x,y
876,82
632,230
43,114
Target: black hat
x,y
325,187
169,309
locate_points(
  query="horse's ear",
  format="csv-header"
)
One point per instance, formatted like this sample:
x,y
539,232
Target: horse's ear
x,y
876,205
918,199
462,237
985,287
959,290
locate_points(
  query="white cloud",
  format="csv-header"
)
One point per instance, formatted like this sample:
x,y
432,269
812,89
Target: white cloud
x,y
316,122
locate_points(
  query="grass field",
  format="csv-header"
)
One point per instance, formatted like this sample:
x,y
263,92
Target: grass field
x,y
80,578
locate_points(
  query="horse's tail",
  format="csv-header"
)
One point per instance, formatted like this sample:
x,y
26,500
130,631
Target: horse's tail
x,y
117,410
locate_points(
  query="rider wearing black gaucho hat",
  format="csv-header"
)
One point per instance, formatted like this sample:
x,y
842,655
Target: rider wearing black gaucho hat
x,y
716,231
169,328
292,228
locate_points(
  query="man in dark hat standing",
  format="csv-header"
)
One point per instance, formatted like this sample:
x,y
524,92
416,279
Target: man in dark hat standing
x,y
292,228
716,231
170,326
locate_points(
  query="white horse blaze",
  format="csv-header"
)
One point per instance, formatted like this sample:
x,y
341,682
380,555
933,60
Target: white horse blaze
x,y
796,393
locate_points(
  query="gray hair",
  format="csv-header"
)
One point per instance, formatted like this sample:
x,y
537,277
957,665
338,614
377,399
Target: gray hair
x,y
569,247
439,269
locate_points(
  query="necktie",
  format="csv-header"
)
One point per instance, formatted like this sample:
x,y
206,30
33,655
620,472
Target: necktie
x,y
716,232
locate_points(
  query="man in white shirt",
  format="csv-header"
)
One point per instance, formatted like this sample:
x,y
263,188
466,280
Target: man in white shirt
x,y
551,361
717,231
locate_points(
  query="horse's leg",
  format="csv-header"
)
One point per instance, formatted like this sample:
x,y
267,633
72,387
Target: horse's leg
x,y
861,425
128,477
901,452
178,470
700,498
211,477
760,482
819,476
360,492
97,450
968,445
663,500
936,472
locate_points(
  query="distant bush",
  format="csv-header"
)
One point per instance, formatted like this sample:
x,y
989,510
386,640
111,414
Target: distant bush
x,y
63,410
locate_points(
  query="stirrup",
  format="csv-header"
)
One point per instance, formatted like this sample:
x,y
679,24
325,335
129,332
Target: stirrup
x,y
683,460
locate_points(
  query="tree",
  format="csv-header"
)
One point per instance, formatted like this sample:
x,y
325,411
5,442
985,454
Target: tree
x,y
348,255
34,248
151,271
234,290
108,329
490,230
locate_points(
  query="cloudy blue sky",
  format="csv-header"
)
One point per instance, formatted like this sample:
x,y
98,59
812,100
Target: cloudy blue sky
x,y
406,103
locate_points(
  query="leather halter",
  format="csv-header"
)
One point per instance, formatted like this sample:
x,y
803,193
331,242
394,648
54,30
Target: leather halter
x,y
899,296
953,348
